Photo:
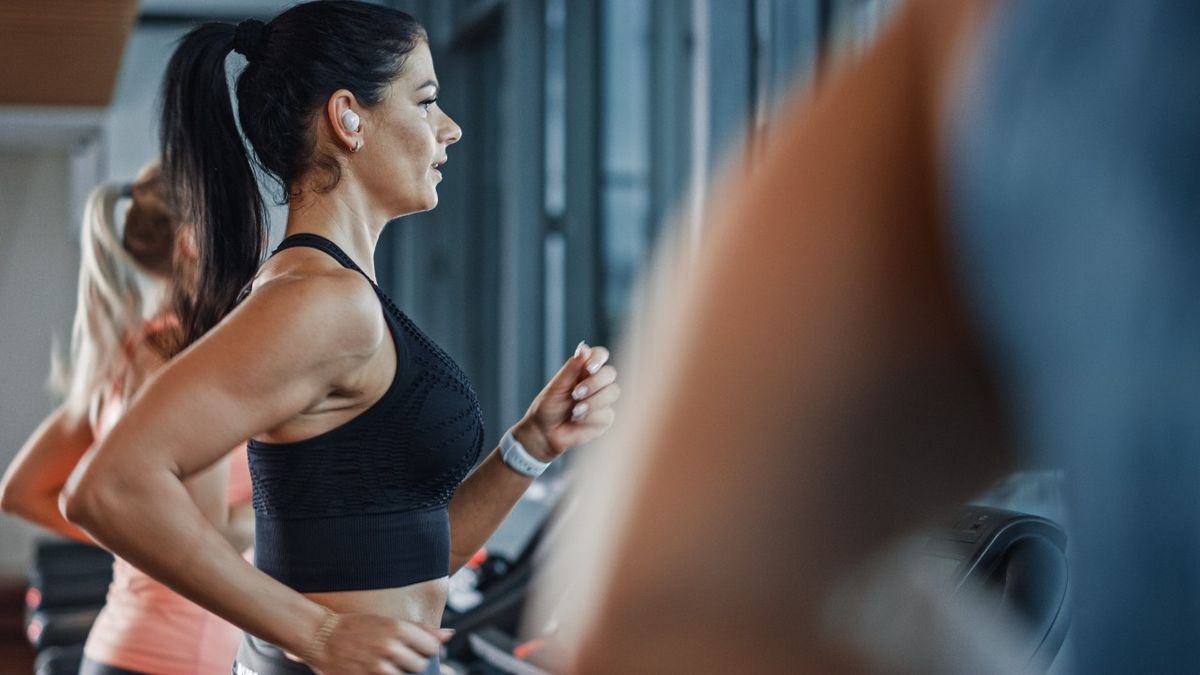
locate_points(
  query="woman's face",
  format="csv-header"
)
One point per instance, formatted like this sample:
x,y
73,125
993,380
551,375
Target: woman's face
x,y
405,139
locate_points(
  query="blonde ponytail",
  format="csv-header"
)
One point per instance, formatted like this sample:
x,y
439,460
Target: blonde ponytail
x,y
108,304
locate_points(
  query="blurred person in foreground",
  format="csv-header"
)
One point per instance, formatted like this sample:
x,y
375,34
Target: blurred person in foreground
x,y
976,246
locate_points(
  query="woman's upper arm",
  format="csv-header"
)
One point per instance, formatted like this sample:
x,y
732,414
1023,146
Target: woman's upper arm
x,y
273,357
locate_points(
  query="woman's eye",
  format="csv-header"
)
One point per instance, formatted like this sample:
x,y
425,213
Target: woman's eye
x,y
426,103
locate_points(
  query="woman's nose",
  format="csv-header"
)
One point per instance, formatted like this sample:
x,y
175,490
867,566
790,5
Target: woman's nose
x,y
451,133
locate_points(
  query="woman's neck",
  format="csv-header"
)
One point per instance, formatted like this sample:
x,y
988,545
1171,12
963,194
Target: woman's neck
x,y
342,215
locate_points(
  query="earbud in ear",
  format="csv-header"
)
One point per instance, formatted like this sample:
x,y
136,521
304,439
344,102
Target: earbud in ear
x,y
350,120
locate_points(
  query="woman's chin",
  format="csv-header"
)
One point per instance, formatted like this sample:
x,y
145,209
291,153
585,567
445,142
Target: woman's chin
x,y
425,203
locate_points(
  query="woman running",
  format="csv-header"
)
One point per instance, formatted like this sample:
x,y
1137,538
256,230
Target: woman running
x,y
365,432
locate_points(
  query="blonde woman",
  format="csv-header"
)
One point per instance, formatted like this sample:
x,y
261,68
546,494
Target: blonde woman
x,y
144,627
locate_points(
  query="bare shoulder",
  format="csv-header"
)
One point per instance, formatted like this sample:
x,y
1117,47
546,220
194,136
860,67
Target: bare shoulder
x,y
324,307
304,330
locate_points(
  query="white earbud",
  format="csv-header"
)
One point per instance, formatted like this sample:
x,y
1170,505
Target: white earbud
x,y
350,120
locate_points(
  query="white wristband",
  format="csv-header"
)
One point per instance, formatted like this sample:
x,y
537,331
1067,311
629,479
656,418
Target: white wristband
x,y
518,458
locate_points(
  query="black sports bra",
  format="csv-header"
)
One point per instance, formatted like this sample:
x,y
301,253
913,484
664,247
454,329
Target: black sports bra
x,y
364,505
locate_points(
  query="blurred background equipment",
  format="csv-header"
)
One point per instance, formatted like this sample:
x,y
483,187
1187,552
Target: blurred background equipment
x,y
979,560
1021,560
68,582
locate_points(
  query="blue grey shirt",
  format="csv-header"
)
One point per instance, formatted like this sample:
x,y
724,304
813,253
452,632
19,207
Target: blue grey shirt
x,y
1076,187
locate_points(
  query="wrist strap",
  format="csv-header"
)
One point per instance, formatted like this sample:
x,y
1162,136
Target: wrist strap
x,y
518,458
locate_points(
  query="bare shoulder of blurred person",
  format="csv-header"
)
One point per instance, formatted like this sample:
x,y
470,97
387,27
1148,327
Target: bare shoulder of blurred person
x,y
812,389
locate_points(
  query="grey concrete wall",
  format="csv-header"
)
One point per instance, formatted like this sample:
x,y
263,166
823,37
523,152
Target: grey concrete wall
x,y
38,267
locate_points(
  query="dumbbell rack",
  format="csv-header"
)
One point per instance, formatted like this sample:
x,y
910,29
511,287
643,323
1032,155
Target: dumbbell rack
x,y
68,582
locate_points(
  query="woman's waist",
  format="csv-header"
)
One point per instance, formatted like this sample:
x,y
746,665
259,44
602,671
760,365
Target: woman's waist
x,y
421,602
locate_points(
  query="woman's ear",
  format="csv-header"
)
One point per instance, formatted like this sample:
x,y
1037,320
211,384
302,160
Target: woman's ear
x,y
344,116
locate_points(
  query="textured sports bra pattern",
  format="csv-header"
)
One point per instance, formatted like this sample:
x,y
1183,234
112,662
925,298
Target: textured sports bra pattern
x,y
364,505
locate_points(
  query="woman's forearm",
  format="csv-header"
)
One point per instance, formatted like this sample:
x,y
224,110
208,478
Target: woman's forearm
x,y
480,504
43,510
150,520
31,485
558,419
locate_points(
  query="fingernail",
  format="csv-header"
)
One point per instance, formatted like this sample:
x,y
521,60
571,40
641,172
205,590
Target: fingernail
x,y
580,347
593,367
579,411
579,392
447,633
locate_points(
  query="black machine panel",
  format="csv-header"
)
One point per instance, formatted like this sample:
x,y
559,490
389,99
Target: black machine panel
x,y
1021,557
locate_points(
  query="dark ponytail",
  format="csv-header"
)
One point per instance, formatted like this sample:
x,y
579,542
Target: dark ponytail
x,y
210,177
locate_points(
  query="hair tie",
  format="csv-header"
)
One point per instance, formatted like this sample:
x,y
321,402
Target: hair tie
x,y
249,39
